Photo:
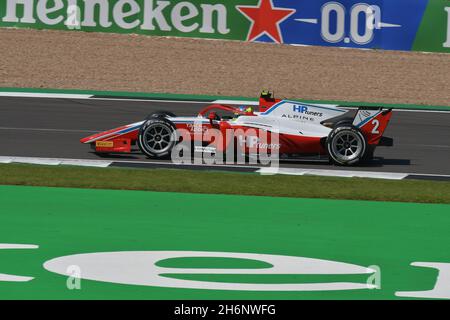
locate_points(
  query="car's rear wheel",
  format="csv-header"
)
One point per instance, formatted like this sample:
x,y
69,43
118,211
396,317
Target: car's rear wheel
x,y
157,138
346,145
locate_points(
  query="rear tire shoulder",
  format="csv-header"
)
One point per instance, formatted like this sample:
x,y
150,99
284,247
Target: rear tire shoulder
x,y
346,126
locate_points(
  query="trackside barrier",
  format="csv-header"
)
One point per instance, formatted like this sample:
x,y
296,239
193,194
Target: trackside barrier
x,y
419,25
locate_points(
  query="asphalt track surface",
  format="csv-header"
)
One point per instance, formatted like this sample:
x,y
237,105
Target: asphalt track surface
x,y
42,127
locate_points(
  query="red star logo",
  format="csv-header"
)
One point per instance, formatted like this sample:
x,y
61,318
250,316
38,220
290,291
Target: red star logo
x,y
266,19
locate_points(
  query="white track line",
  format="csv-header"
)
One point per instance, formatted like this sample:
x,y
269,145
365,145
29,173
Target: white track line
x,y
188,164
87,96
230,102
102,163
430,175
334,173
57,161
261,170
153,100
237,102
45,95
51,130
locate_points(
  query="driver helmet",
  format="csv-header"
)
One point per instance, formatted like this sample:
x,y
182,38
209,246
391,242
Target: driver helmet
x,y
266,94
248,110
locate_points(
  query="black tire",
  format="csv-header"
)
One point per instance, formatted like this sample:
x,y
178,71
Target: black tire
x,y
161,114
346,145
369,154
343,123
157,137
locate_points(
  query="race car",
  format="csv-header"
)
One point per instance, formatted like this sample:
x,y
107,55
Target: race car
x,y
288,128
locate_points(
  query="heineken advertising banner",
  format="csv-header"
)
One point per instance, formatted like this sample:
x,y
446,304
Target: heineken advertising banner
x,y
422,25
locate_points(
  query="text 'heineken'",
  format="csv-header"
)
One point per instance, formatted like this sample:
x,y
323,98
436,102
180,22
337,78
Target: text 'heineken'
x,y
123,14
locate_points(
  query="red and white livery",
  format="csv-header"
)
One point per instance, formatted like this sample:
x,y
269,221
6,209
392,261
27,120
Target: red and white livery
x,y
289,128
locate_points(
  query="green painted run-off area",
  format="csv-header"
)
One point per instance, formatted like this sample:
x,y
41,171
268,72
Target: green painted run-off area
x,y
70,221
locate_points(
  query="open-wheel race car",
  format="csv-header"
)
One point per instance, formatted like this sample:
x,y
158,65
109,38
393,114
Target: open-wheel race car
x,y
292,129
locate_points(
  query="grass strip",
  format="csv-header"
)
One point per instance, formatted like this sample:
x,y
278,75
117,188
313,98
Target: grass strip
x,y
212,182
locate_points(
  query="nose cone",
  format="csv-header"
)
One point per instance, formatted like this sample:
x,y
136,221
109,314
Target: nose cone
x,y
87,139
103,135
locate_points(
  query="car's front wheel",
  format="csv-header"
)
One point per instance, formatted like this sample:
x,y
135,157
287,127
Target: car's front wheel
x,y
157,137
346,145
